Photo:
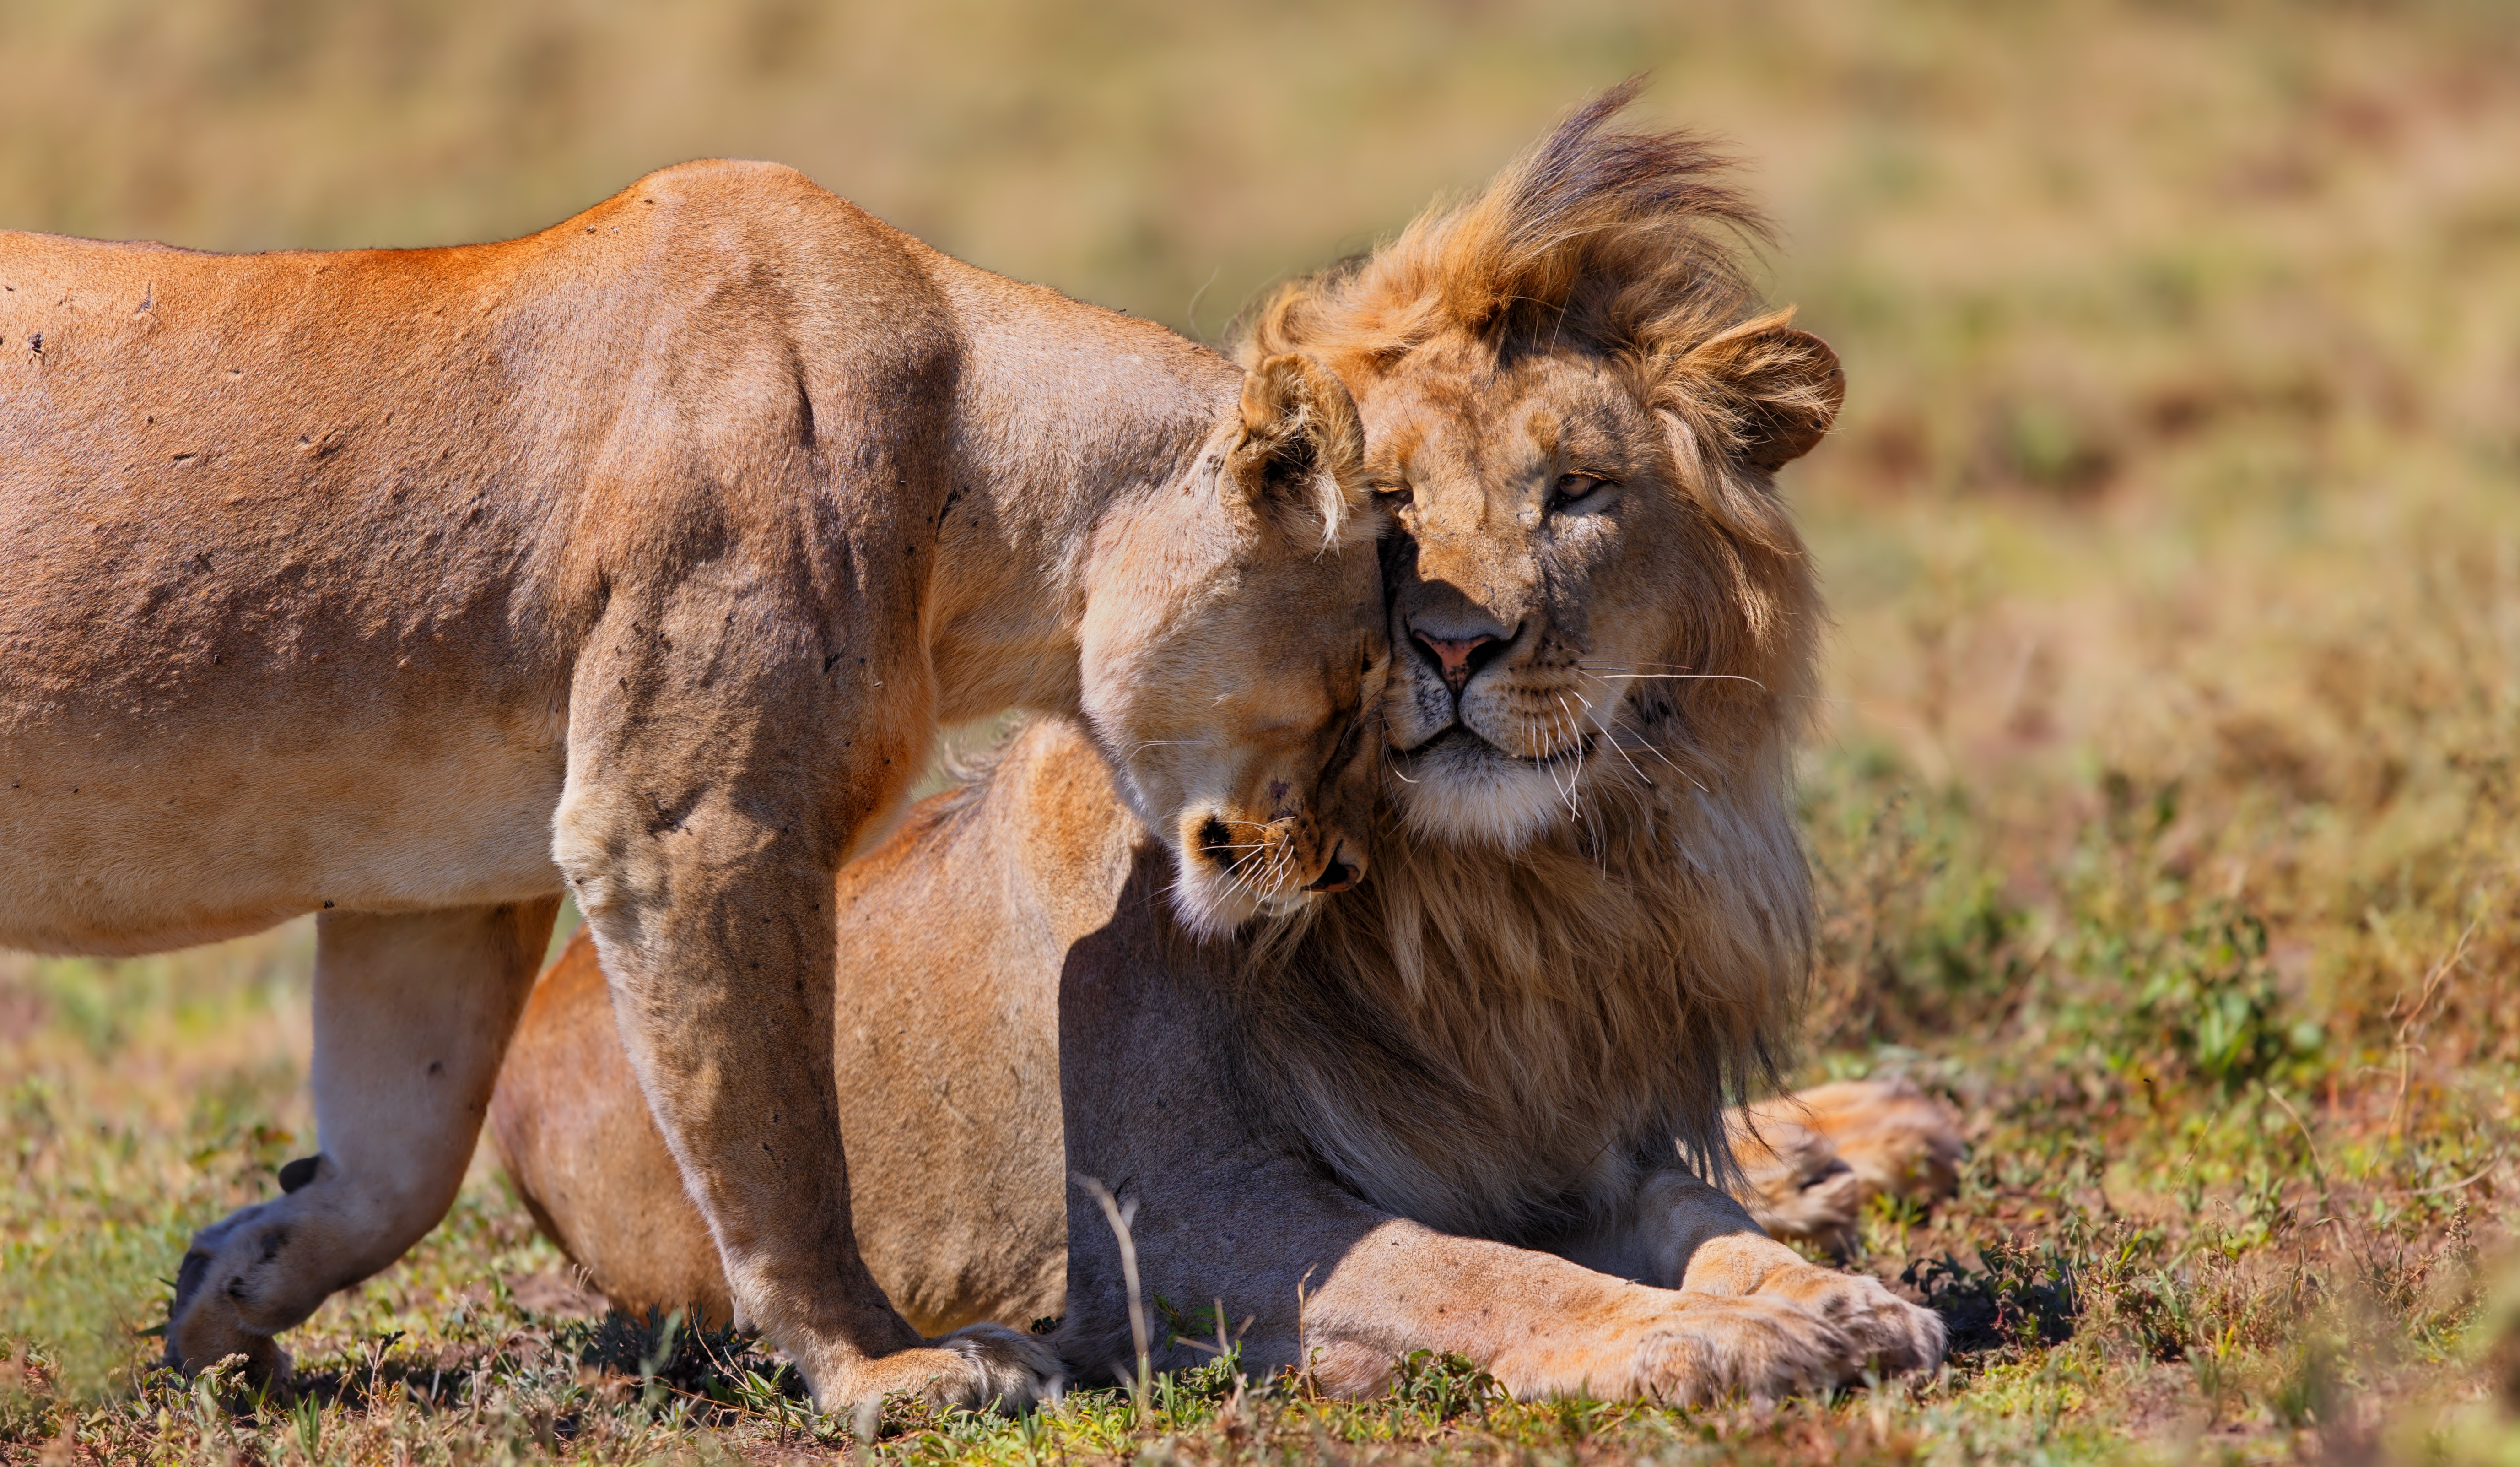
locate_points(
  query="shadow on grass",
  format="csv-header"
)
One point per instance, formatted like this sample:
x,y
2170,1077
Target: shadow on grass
x,y
2018,1297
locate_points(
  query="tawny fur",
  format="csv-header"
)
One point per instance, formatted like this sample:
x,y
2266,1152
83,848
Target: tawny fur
x,y
644,553
1482,1097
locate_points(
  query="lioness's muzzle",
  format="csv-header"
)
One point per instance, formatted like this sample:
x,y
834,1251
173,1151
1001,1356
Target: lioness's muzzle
x,y
1340,874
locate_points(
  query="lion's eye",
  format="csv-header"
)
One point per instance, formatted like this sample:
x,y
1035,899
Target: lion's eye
x,y
1572,488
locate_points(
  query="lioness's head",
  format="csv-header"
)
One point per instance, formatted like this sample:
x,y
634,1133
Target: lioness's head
x,y
1234,644
1576,409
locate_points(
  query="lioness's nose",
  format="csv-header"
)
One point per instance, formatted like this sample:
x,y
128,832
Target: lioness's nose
x,y
1459,659
1343,872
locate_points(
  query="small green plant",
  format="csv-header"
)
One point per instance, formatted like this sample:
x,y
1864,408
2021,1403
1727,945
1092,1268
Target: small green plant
x,y
2160,1308
1442,1387
306,1418
2209,999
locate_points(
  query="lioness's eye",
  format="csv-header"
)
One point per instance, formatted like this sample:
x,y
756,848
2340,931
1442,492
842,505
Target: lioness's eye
x,y
1391,496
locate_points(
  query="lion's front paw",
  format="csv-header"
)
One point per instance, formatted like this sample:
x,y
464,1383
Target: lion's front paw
x,y
1887,1332
1810,1330
1749,1347
1794,1183
1897,1138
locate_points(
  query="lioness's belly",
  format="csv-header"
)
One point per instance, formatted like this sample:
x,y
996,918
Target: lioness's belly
x,y
211,834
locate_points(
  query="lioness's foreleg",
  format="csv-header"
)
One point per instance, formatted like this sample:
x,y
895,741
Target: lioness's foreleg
x,y
711,795
412,1014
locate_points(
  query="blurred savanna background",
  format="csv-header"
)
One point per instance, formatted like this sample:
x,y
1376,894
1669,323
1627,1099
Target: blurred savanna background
x,y
2164,800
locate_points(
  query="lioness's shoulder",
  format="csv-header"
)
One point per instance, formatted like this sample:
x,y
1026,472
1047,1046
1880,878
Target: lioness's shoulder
x,y
726,180
738,208
710,194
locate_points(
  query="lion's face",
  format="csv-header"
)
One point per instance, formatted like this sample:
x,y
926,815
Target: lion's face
x,y
1234,649
1562,601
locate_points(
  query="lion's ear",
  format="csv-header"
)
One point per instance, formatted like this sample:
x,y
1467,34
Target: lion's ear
x,y
1779,387
1299,460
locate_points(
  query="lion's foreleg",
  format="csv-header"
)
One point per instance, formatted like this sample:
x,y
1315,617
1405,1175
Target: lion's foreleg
x,y
412,1014
1690,1236
1544,1325
1743,1316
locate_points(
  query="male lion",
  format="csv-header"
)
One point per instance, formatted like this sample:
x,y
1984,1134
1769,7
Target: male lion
x,y
955,1042
1476,1106
642,555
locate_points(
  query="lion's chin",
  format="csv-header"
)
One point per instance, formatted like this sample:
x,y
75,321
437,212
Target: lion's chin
x,y
1458,787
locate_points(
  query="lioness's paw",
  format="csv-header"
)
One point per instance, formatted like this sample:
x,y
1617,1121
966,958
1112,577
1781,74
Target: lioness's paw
x,y
980,1366
216,1283
1010,1369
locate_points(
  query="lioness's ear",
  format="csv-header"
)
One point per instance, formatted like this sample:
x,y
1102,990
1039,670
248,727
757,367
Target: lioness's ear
x,y
1779,387
1300,458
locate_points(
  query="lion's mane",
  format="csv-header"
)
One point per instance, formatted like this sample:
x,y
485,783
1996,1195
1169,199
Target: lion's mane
x,y
1522,1032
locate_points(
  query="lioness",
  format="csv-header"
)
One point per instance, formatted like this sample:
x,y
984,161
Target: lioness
x,y
1477,1105
642,555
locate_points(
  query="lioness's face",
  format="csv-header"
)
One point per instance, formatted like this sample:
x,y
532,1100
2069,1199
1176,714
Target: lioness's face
x,y
1234,652
1245,713
1561,608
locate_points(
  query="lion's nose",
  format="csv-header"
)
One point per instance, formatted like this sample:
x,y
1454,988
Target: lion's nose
x,y
1459,659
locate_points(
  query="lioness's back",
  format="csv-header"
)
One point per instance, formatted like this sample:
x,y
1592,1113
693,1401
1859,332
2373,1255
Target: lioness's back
x,y
301,544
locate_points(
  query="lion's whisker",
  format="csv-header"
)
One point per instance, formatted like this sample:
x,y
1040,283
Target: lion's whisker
x,y
1623,759
1674,677
1650,747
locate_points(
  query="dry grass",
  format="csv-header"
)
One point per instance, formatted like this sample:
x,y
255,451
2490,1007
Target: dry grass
x,y
2168,816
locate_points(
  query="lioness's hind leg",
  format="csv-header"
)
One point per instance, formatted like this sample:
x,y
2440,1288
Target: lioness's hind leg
x,y
412,1014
